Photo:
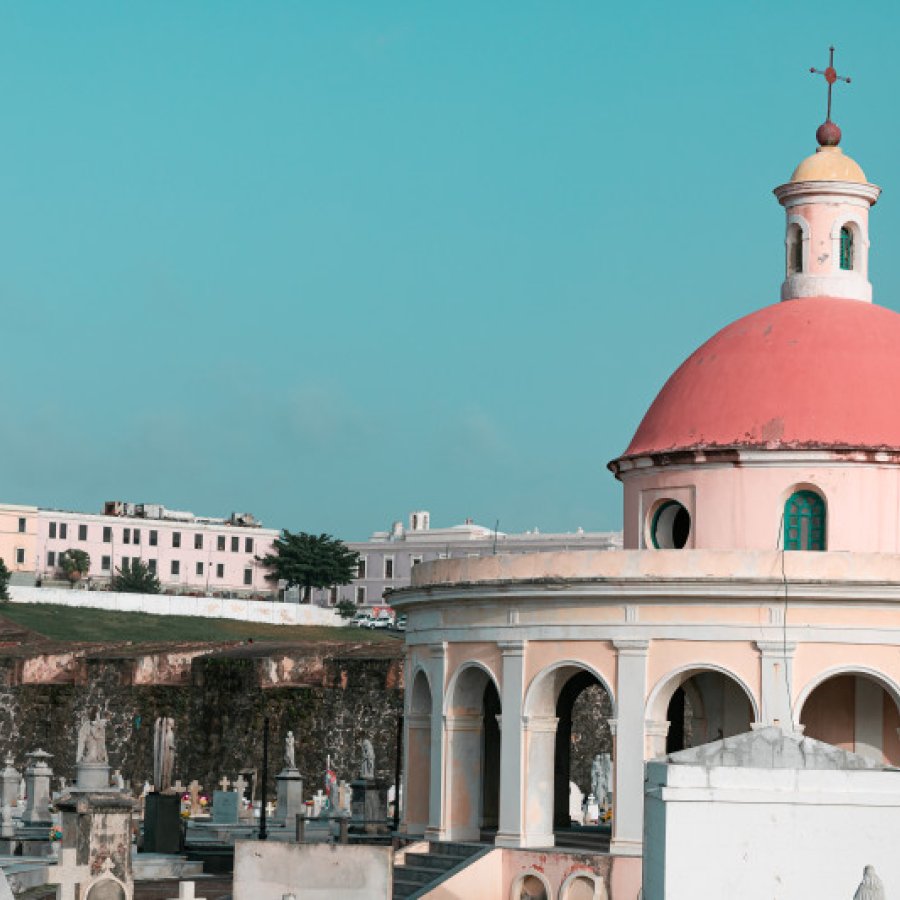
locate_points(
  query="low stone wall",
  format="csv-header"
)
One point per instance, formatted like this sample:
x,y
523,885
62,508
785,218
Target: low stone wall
x,y
171,605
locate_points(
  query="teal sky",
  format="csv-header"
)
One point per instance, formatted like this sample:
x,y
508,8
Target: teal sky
x,y
331,262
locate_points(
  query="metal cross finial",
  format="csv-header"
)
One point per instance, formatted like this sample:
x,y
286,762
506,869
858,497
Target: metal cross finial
x,y
831,76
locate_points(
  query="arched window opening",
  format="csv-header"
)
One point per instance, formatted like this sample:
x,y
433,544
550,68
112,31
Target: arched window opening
x,y
804,521
846,248
794,249
670,527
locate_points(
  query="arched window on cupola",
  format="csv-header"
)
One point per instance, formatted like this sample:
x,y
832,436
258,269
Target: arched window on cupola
x,y
794,249
847,248
804,521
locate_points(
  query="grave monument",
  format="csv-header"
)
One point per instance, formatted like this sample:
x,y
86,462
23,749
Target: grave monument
x,y
289,785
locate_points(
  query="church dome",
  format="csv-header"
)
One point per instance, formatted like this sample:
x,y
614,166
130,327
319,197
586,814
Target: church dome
x,y
813,373
829,164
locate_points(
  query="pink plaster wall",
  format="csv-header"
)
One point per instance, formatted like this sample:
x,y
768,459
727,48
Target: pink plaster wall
x,y
11,539
830,713
599,655
821,218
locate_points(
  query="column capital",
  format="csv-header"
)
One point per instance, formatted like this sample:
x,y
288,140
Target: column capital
x,y
418,720
631,646
512,648
437,650
613,725
537,724
463,723
777,649
654,728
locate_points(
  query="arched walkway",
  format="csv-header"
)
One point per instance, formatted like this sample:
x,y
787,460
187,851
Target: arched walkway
x,y
473,753
566,706
700,704
418,755
856,710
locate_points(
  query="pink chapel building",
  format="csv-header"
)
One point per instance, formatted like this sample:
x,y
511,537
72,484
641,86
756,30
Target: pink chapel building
x,y
188,553
759,582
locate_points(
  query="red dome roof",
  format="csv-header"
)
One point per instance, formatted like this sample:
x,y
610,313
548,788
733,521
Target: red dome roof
x,y
814,373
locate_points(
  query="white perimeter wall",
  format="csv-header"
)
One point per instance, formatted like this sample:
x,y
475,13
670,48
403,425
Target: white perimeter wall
x,y
166,605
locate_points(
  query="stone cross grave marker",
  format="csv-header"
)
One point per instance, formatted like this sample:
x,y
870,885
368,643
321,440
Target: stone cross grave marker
x,y
186,891
67,874
224,782
240,785
195,787
178,787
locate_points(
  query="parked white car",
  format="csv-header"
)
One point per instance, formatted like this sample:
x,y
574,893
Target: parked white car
x,y
361,620
382,620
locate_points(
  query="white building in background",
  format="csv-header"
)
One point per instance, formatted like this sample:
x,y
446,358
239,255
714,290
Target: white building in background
x,y
387,558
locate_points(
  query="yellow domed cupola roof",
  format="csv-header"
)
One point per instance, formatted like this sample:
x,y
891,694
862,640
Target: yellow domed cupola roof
x,y
829,163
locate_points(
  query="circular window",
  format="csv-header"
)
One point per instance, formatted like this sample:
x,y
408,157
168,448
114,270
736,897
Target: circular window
x,y
671,526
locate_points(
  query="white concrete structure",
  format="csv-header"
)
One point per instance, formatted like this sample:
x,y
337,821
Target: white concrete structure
x,y
270,611
768,814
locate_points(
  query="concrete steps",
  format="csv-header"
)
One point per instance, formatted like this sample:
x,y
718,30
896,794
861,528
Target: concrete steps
x,y
420,871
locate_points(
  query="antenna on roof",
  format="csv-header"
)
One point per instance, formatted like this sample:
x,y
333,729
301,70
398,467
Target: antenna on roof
x,y
496,529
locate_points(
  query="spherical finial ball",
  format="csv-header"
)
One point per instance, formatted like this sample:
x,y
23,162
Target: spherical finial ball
x,y
828,134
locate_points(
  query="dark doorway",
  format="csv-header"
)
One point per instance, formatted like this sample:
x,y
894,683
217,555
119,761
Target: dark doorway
x,y
490,756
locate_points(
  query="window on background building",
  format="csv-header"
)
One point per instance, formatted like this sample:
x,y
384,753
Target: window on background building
x,y
389,567
20,556
175,568
125,565
248,576
107,534
235,544
82,532
176,538
220,542
135,560
63,531
51,558
105,563
22,523
220,570
248,545
846,248
53,529
198,541
360,596
199,568
361,568
136,536
414,561
126,535
151,566
804,521
154,537
333,595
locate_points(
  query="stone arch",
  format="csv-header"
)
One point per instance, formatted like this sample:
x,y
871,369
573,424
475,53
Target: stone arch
x,y
583,886
548,707
471,711
531,885
797,228
418,753
854,707
713,685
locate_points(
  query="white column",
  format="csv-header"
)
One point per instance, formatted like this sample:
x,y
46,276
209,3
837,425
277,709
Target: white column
x,y
437,672
540,753
628,731
462,813
655,742
512,775
776,660
869,724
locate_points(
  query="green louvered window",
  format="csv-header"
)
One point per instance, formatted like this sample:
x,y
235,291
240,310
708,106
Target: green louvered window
x,y
846,248
804,522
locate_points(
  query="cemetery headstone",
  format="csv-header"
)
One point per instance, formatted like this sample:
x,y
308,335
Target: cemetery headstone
x,y
37,790
225,808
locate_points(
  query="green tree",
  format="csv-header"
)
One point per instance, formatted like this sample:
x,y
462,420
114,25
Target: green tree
x,y
75,564
310,560
4,581
346,609
136,579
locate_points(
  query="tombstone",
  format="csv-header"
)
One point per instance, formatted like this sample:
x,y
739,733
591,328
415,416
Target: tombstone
x,y
9,783
576,801
6,886
105,885
366,806
185,891
592,811
289,791
67,875
7,826
225,808
194,789
163,753
37,788
162,823
343,797
245,812
318,803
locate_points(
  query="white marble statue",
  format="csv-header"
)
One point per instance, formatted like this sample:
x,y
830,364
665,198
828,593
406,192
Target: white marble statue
x,y
92,740
367,770
163,753
601,778
871,887
289,758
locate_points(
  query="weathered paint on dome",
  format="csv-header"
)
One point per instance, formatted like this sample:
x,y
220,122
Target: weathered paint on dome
x,y
829,164
815,373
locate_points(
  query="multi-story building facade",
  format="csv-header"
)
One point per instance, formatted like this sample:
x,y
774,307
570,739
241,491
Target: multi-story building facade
x,y
18,538
187,553
386,560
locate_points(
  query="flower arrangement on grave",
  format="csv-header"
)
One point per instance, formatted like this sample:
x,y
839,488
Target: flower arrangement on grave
x,y
204,801
186,813
55,833
606,816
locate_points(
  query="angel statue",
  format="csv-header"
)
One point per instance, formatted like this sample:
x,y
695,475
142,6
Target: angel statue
x,y
367,770
92,739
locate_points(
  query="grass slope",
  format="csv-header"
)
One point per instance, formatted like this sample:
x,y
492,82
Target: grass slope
x,y
66,623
